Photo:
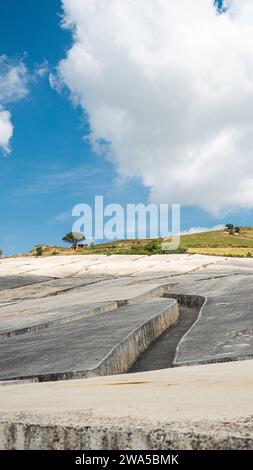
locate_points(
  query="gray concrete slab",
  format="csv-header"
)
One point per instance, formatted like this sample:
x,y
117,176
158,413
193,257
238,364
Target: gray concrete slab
x,y
26,314
12,282
43,287
224,329
77,346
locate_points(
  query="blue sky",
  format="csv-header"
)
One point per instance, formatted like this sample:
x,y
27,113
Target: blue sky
x,y
51,167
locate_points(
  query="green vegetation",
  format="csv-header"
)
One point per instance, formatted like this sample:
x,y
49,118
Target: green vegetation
x,y
39,251
232,241
73,239
235,241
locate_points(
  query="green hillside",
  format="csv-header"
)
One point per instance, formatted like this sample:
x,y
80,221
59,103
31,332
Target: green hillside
x,y
220,243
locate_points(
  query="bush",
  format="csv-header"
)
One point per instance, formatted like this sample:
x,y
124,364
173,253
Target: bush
x,y
55,253
249,255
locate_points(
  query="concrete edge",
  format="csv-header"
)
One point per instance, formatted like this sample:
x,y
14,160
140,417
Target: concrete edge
x,y
198,301
113,305
24,434
61,321
157,291
219,360
193,301
123,355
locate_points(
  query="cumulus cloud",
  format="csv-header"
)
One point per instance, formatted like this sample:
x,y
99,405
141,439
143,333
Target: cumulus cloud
x,y
168,90
13,87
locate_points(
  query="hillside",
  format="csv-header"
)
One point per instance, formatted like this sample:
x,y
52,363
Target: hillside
x,y
210,243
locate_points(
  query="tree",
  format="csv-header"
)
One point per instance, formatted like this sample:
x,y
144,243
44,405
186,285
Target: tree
x,y
229,226
39,251
237,229
73,238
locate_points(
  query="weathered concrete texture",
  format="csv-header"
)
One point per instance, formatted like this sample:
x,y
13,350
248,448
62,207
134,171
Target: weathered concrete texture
x,y
182,407
98,345
161,352
59,317
25,314
224,329
13,282
37,287
199,407
24,432
87,285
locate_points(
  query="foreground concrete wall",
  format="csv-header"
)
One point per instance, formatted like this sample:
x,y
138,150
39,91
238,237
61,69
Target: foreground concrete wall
x,y
199,407
201,436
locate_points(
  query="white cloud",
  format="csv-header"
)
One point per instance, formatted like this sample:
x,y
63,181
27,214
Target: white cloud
x,y
6,130
42,70
13,87
203,229
169,84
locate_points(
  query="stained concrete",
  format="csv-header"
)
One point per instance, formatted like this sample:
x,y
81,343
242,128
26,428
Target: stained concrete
x,y
53,306
14,282
80,345
161,353
66,288
224,329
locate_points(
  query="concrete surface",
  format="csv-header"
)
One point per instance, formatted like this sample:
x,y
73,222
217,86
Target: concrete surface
x,y
40,293
76,300
161,353
224,329
199,407
79,347
79,301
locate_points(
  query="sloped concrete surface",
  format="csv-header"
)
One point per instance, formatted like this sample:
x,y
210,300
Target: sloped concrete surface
x,y
80,346
224,329
48,292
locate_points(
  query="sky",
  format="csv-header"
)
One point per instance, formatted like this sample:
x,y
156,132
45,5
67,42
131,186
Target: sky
x,y
138,102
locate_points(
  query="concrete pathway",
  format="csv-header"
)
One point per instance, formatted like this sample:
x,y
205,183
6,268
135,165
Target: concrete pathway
x,y
161,353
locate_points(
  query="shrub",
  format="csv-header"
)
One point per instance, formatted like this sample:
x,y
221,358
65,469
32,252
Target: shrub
x,y
55,252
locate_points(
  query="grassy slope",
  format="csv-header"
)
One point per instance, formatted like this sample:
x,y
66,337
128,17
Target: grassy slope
x,y
210,243
220,243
